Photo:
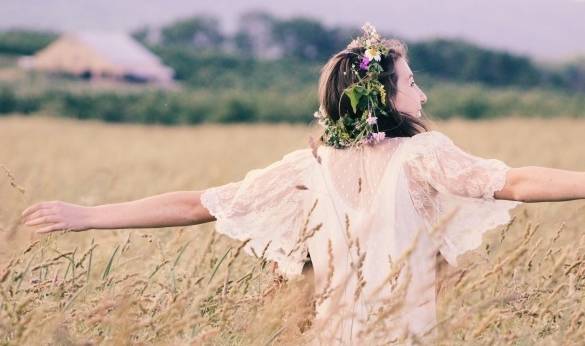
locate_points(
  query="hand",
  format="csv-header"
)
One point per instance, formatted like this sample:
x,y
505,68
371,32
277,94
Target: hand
x,y
56,216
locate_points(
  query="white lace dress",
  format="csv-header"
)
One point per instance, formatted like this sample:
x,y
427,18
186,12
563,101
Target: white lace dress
x,y
381,213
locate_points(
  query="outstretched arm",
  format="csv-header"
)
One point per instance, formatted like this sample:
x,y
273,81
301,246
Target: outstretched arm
x,y
179,208
542,184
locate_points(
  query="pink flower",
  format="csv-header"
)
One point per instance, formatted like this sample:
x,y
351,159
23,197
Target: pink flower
x,y
371,120
373,138
369,139
364,63
378,136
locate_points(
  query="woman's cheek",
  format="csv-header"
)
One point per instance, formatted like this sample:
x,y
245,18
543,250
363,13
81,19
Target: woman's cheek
x,y
400,104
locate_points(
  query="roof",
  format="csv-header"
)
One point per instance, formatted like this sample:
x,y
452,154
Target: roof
x,y
122,50
118,49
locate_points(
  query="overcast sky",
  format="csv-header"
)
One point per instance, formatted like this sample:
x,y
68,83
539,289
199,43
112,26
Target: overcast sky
x,y
544,29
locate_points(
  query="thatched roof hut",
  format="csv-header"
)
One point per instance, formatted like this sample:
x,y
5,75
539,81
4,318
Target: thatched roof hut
x,y
100,55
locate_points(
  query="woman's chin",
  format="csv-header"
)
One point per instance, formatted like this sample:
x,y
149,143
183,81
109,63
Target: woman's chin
x,y
416,114
413,114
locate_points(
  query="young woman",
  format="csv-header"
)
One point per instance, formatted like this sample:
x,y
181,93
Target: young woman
x,y
372,203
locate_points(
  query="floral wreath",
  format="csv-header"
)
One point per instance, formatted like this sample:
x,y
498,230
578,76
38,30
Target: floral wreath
x,y
365,96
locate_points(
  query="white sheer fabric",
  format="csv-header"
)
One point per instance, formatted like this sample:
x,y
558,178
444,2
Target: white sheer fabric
x,y
376,208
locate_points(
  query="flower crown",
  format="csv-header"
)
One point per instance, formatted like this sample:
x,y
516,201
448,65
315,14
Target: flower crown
x,y
365,96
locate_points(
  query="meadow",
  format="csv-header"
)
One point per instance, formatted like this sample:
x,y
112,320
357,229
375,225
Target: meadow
x,y
187,285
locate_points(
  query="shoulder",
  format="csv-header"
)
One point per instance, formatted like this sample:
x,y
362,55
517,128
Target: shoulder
x,y
432,136
426,142
298,156
298,160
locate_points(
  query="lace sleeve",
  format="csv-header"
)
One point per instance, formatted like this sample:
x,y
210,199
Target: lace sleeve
x,y
436,160
444,179
266,207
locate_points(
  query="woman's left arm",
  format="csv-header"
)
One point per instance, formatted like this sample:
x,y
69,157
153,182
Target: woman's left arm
x,y
542,184
180,208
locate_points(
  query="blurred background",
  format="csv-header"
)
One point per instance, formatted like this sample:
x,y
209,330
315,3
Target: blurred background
x,y
109,101
188,62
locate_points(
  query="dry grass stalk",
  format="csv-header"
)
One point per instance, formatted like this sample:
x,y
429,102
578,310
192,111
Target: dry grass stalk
x,y
327,290
527,290
12,180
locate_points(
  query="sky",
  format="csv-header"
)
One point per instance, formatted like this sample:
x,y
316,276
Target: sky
x,y
542,29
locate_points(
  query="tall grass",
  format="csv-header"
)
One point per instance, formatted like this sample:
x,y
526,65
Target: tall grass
x,y
188,285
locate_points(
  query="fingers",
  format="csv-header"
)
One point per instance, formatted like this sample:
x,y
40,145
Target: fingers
x,y
41,220
33,208
36,207
37,214
52,228
43,214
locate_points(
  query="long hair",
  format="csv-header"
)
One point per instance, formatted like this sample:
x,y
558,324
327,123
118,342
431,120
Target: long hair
x,y
337,75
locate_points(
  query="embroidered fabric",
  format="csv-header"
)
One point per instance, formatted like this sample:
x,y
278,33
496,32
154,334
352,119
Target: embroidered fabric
x,y
267,208
378,196
443,179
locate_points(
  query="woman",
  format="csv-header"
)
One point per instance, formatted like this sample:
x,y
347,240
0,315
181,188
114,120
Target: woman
x,y
373,204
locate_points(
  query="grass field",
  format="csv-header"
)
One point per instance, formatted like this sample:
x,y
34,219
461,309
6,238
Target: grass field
x,y
184,285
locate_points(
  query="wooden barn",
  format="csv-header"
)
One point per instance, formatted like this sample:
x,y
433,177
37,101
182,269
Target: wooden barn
x,y
99,55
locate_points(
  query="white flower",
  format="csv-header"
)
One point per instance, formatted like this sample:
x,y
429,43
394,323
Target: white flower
x,y
321,118
373,54
369,28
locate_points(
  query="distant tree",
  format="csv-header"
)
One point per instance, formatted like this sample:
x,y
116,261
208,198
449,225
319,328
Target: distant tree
x,y
572,74
147,35
463,61
198,32
254,36
140,34
307,39
264,36
24,42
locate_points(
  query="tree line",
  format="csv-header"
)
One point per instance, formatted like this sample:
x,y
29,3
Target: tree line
x,y
260,37
267,70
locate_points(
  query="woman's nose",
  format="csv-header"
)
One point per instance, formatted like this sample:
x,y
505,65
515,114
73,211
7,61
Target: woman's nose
x,y
423,97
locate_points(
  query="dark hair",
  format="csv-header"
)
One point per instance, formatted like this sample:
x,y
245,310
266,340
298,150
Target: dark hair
x,y
337,75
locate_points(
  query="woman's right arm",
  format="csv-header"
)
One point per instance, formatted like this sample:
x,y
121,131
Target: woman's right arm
x,y
542,184
180,208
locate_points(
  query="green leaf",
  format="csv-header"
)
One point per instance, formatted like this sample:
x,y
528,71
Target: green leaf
x,y
217,265
108,268
354,97
355,93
